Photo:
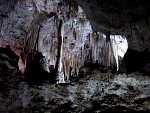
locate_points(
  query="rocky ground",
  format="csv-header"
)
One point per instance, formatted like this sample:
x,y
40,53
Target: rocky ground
x,y
95,93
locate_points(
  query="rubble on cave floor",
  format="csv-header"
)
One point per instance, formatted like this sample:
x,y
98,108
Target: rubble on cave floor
x,y
94,93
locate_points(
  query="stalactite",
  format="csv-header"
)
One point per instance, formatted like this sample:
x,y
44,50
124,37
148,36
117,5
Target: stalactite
x,y
95,50
32,36
108,51
72,7
59,47
101,48
31,39
80,46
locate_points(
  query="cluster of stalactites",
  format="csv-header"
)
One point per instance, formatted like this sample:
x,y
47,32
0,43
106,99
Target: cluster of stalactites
x,y
95,50
79,47
99,51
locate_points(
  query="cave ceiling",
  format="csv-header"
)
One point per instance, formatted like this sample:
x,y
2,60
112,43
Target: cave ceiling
x,y
116,15
126,17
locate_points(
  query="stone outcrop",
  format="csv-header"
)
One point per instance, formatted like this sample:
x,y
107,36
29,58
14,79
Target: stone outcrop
x,y
129,18
136,61
33,25
9,70
19,23
125,17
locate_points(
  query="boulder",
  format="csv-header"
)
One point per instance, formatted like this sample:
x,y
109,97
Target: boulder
x,y
9,71
35,68
135,61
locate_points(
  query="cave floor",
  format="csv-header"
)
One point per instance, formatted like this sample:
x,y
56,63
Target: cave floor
x,y
95,93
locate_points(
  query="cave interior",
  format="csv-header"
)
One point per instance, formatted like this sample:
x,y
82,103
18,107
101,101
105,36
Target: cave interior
x,y
74,56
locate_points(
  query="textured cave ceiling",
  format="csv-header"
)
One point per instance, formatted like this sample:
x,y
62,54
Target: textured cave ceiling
x,y
115,15
126,17
105,15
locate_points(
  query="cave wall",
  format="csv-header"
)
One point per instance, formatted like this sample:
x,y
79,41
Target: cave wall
x,y
128,18
14,23
28,21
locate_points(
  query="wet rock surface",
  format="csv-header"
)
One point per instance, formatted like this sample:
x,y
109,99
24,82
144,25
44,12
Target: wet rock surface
x,y
95,93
